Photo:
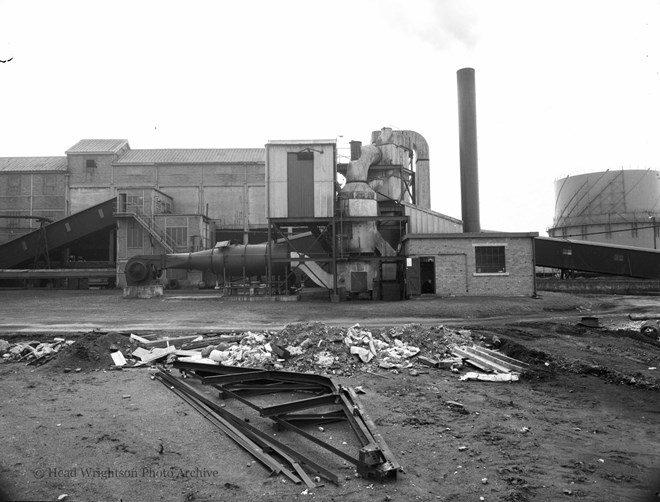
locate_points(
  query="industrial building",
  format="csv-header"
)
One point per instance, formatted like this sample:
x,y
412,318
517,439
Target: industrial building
x,y
258,221
620,207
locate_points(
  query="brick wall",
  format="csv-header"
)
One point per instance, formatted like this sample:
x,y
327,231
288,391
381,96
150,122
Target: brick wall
x,y
455,263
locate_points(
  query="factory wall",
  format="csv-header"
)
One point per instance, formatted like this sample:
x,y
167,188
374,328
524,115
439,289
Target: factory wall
x,y
90,180
426,221
232,196
458,258
30,194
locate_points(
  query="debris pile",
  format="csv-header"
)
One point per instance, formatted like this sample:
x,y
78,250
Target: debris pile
x,y
300,347
313,347
32,352
92,351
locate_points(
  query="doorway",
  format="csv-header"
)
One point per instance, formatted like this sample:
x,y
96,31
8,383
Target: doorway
x,y
427,275
420,275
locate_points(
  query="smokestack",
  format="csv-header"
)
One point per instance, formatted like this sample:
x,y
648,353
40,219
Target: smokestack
x,y
356,149
467,134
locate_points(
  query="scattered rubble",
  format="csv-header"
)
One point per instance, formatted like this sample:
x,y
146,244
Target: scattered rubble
x,y
32,352
301,347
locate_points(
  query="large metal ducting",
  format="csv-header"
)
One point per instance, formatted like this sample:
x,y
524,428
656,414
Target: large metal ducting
x,y
225,259
393,144
467,130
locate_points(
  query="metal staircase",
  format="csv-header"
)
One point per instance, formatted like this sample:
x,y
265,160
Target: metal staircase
x,y
149,224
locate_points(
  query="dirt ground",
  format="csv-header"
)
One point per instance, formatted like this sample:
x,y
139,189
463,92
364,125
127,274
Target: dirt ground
x,y
582,424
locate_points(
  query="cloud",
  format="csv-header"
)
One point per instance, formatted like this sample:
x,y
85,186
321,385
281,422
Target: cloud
x,y
440,23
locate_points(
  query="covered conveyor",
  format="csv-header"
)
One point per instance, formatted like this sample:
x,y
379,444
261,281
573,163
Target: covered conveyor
x,y
58,234
597,258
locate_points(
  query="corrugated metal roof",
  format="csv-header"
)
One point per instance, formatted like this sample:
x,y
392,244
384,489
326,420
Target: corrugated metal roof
x,y
97,146
32,164
194,156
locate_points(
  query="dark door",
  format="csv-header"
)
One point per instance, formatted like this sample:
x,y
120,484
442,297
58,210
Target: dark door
x,y
427,275
413,278
300,178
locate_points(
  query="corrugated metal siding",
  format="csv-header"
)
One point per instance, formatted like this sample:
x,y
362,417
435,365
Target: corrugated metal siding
x,y
193,156
425,221
98,145
31,164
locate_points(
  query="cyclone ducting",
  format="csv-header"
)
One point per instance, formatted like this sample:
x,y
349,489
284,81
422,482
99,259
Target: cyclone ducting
x,y
467,126
224,259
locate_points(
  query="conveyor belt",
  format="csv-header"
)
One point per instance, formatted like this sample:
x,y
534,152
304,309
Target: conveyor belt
x,y
58,234
597,257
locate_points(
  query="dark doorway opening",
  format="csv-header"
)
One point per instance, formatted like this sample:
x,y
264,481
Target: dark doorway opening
x,y
427,275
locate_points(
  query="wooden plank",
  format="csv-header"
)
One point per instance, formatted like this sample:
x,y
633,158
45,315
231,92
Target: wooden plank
x,y
141,353
500,356
477,360
157,354
138,339
166,342
500,359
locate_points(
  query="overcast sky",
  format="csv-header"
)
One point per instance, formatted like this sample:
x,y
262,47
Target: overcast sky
x,y
563,87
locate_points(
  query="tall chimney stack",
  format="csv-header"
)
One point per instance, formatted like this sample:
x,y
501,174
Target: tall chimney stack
x,y
467,133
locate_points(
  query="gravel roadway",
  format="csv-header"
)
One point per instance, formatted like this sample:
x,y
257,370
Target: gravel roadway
x,y
582,426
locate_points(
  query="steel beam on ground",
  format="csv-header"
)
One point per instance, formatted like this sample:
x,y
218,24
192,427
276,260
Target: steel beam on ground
x,y
301,404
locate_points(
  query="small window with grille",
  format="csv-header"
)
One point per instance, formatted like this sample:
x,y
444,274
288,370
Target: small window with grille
x,y
14,185
134,235
490,259
179,235
49,184
13,222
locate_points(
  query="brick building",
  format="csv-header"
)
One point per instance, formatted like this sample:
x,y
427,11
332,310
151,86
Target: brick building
x,y
476,264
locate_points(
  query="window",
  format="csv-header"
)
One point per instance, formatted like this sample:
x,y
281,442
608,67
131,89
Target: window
x,y
14,187
134,202
162,206
49,184
178,234
490,259
90,164
306,156
134,235
13,222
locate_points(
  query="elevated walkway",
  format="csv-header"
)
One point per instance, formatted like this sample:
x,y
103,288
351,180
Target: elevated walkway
x,y
57,234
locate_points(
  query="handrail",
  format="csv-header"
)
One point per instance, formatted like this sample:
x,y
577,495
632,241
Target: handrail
x,y
152,227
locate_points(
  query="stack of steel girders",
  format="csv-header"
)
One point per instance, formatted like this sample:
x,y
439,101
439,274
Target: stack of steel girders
x,y
252,388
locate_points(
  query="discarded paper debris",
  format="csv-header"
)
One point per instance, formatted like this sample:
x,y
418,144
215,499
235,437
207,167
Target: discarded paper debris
x,y
491,377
